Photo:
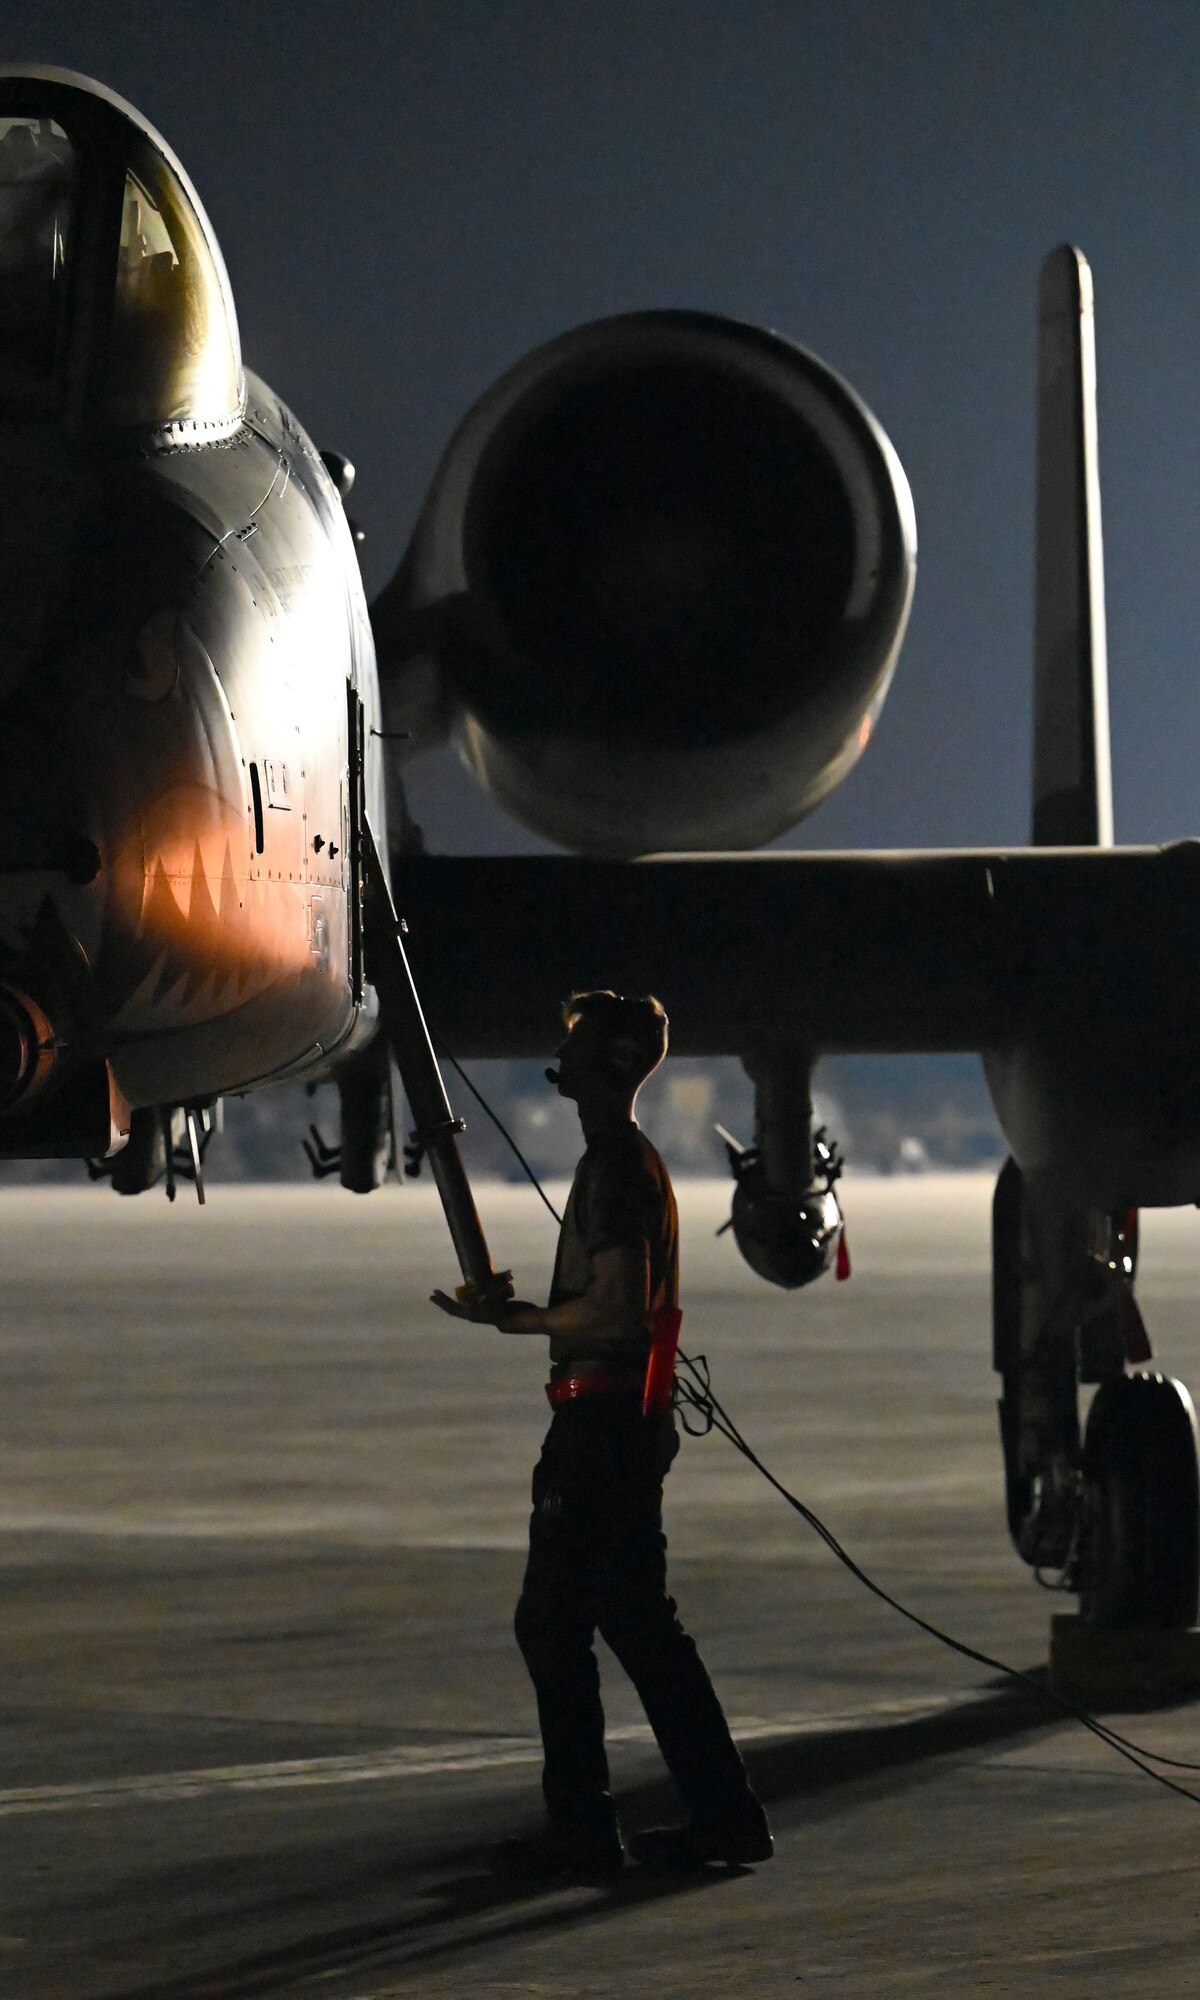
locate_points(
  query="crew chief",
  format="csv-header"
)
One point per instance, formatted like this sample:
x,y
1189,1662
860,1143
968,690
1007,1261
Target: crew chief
x,y
597,1553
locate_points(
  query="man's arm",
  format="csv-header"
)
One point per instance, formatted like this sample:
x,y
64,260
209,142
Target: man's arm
x,y
613,1307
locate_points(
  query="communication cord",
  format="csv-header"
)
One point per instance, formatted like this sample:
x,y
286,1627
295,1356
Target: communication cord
x,y
694,1392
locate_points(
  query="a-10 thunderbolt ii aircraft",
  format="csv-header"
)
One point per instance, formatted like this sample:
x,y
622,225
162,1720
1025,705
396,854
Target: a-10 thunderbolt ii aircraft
x,y
655,596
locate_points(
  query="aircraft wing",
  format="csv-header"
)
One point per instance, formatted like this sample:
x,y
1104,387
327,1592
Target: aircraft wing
x,y
835,952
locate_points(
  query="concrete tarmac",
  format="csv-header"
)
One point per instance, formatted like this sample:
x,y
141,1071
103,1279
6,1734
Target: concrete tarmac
x,y
262,1514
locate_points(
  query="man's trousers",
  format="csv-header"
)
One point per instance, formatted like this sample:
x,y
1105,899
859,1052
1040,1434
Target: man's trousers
x,y
598,1562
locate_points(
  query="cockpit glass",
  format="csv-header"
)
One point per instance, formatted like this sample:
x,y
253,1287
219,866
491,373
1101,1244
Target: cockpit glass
x,y
37,181
173,354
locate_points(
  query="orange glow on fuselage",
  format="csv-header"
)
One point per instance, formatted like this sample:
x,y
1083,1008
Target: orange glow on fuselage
x,y
200,932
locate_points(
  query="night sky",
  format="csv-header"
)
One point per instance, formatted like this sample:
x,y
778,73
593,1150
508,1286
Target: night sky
x,y
411,195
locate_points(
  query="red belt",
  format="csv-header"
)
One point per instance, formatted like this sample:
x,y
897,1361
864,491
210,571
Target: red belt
x,y
569,1388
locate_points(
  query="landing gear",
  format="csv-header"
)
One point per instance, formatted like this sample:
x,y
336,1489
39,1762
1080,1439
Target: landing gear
x,y
1038,1248
367,1095
1114,1517
1139,1547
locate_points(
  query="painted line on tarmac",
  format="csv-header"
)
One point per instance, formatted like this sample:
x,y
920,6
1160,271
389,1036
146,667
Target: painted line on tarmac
x,y
408,1761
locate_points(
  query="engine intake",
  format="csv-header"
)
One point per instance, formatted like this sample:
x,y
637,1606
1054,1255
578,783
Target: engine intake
x,y
27,1047
664,570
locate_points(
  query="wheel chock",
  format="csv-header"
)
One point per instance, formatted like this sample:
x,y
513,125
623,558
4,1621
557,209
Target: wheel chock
x,y
1089,1663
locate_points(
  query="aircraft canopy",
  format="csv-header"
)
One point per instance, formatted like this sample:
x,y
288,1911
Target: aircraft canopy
x,y
113,292
37,186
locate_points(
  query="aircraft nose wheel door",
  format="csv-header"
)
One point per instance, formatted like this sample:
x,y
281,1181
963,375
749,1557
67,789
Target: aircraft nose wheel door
x,y
354,806
1139,1562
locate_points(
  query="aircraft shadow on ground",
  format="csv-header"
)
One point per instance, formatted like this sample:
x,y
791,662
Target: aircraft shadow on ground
x,y
457,1904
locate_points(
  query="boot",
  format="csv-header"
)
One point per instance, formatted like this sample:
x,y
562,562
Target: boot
x,y
735,1841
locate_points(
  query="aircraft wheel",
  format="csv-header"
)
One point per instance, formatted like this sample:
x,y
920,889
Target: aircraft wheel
x,y
1140,1554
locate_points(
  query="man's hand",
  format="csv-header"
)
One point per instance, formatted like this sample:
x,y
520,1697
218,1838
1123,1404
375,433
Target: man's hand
x,y
482,1312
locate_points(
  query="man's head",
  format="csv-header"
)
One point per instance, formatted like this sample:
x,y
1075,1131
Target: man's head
x,y
612,1045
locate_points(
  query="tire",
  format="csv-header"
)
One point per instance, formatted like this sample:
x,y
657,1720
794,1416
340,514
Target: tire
x,y
1140,1556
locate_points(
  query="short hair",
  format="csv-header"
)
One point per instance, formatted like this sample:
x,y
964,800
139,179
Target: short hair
x,y
634,1030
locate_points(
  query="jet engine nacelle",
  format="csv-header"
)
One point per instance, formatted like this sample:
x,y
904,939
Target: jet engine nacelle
x,y
658,587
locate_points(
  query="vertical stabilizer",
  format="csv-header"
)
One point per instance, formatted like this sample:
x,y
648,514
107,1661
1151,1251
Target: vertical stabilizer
x,y
1072,775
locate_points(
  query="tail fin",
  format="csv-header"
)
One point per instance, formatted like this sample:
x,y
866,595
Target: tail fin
x,y
1072,775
